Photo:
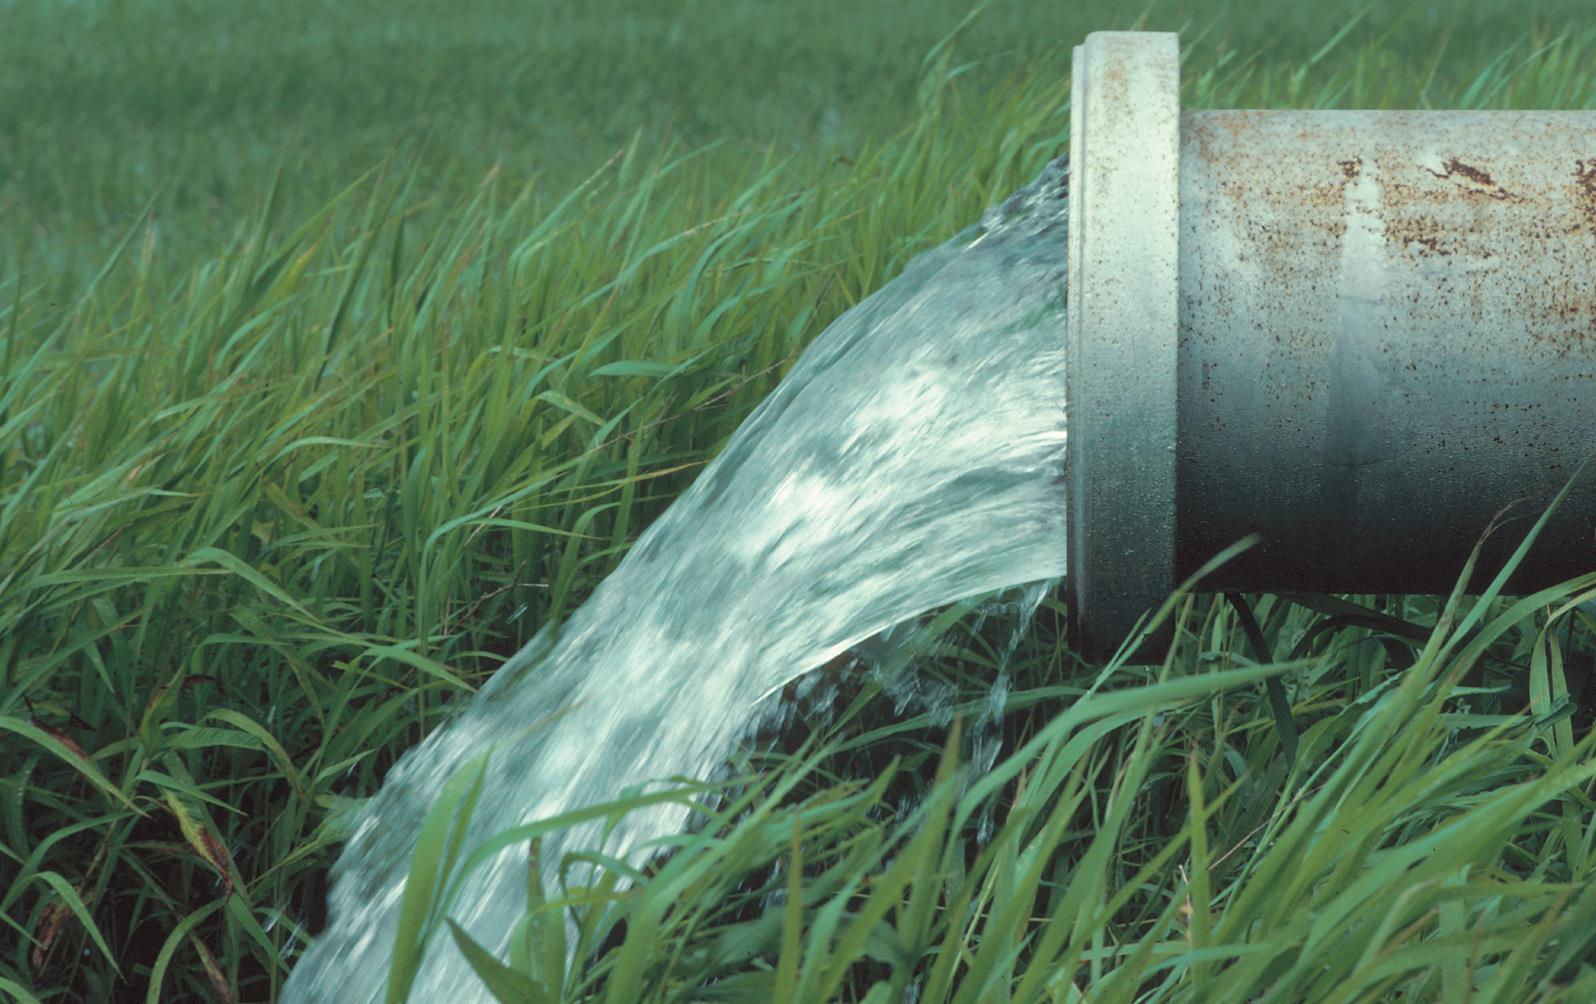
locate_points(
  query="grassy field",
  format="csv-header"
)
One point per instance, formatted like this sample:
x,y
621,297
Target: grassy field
x,y
109,108
343,346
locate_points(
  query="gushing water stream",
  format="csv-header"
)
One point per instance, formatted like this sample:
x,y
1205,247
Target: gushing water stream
x,y
913,457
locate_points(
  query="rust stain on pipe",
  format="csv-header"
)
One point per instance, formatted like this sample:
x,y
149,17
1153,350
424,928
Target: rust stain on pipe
x,y
1487,185
1585,189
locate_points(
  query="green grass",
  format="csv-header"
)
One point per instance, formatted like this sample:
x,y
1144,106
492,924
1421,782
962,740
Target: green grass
x,y
1148,850
106,105
291,464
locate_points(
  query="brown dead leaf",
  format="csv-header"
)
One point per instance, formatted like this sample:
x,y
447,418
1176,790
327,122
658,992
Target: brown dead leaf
x,y
213,972
51,924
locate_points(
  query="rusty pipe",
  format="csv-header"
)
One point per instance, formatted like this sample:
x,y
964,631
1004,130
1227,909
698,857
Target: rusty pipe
x,y
1358,334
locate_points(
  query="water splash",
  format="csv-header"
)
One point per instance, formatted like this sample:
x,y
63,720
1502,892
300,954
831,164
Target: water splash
x,y
912,458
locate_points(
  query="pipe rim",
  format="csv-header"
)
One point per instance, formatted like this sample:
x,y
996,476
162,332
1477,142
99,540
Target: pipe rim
x,y
1122,337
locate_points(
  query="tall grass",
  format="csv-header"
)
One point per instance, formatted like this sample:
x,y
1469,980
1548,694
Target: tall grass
x,y
1150,847
188,107
265,510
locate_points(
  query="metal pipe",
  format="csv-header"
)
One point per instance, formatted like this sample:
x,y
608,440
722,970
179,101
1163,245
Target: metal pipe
x,y
1359,334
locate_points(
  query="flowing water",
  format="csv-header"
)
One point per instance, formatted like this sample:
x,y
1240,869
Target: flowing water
x,y
913,457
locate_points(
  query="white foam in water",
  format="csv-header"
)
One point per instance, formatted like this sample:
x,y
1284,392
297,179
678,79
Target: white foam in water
x,y
913,457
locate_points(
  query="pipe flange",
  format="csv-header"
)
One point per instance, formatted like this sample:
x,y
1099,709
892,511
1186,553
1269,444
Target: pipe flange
x,y
1123,310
